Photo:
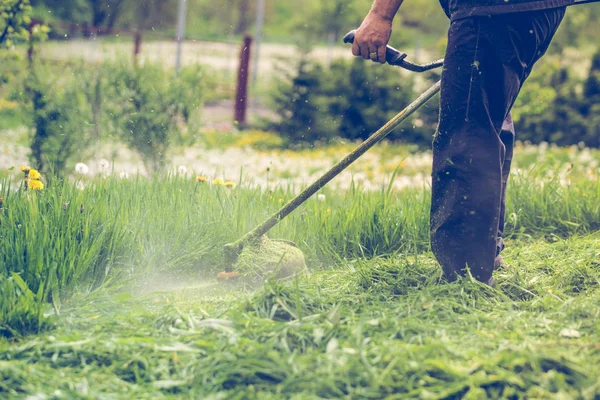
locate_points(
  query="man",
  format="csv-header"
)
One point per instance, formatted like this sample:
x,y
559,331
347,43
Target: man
x,y
492,46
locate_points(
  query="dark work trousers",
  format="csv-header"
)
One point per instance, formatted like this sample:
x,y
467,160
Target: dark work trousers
x,y
486,63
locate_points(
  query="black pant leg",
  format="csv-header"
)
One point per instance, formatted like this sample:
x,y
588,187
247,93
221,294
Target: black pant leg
x,y
486,63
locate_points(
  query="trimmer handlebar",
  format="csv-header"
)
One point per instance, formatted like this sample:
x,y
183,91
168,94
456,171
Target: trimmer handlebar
x,y
398,58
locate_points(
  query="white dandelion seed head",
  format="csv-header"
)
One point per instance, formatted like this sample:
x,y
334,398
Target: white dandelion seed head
x,y
182,170
123,175
321,197
80,185
104,164
81,168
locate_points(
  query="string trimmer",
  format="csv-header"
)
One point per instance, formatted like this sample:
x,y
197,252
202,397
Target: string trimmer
x,y
254,255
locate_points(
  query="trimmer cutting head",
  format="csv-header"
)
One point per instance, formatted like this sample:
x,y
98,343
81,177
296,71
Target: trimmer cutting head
x,y
263,258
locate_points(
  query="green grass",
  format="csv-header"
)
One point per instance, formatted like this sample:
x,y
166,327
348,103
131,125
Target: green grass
x,y
11,119
366,329
111,291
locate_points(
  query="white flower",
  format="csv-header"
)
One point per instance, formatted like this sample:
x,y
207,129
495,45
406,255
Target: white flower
x,y
182,170
123,175
81,168
321,197
80,185
104,164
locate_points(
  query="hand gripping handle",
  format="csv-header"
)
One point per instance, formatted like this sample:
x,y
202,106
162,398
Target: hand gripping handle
x,y
397,58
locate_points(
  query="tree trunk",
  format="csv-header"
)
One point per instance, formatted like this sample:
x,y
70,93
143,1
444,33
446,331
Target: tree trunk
x,y
98,13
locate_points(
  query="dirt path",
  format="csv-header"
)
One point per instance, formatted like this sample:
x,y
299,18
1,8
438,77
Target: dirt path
x,y
219,55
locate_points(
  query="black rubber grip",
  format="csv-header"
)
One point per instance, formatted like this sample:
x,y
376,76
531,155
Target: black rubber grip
x,y
397,58
392,56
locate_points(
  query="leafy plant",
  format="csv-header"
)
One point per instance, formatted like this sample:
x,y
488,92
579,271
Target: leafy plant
x,y
301,106
350,100
557,108
150,107
364,97
14,18
58,119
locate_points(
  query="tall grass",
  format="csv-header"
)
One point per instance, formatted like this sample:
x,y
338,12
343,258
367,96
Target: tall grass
x,y
64,239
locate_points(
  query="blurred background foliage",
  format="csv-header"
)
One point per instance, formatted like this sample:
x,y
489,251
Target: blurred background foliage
x,y
69,104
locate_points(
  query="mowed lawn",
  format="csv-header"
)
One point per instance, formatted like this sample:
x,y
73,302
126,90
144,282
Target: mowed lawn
x,y
132,307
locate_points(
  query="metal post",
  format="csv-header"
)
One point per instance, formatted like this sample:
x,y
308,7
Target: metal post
x,y
260,19
180,32
241,97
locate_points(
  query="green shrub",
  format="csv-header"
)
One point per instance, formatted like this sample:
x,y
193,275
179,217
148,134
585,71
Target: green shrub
x,y
188,92
301,105
14,18
150,104
146,107
58,114
351,99
364,96
558,108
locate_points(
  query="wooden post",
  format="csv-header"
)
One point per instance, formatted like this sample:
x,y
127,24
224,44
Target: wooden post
x,y
241,96
137,44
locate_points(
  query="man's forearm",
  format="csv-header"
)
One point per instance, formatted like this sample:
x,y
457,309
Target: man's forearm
x,y
385,9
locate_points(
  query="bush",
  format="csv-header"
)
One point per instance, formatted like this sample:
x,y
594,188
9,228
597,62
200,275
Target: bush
x,y
557,108
365,96
149,105
58,116
350,100
301,105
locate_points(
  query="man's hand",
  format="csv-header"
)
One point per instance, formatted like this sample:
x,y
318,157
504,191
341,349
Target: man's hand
x,y
371,38
374,33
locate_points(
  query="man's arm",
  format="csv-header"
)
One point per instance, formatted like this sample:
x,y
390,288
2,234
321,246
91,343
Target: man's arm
x,y
373,35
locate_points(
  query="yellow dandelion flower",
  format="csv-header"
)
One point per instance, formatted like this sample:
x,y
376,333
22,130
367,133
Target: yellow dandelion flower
x,y
36,185
229,184
201,179
281,201
34,174
328,210
25,169
218,182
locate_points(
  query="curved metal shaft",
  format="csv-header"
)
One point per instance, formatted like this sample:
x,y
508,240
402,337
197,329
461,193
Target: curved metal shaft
x,y
234,248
